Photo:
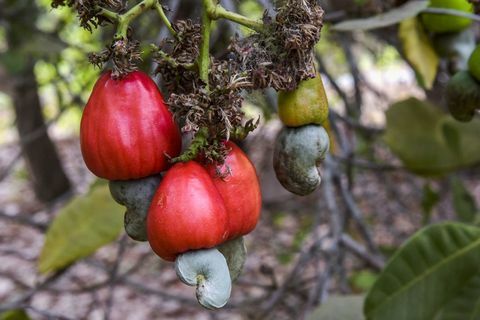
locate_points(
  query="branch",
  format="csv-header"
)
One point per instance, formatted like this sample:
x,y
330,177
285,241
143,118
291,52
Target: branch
x,y
204,57
453,12
125,19
216,11
164,18
361,252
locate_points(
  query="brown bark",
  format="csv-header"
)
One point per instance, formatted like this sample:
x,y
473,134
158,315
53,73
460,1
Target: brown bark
x,y
45,168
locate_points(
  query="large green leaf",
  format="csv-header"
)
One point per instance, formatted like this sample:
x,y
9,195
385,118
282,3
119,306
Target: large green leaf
x,y
82,226
428,141
466,305
340,308
433,273
419,51
394,16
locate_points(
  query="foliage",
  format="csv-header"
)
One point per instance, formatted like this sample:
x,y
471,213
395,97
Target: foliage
x,y
441,263
80,228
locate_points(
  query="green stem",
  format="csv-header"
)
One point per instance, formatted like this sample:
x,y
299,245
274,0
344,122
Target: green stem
x,y
198,143
110,15
164,18
204,57
125,19
216,11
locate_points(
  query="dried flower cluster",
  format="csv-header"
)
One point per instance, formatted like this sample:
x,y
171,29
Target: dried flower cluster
x,y
124,55
280,57
89,10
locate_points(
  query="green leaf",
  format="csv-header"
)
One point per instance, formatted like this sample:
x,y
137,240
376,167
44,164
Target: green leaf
x,y
463,202
339,308
416,134
394,16
82,226
428,274
419,51
14,315
466,305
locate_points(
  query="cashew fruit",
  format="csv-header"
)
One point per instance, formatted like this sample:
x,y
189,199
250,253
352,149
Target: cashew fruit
x,y
208,271
235,252
137,196
298,152
474,63
305,105
126,130
442,23
195,208
463,96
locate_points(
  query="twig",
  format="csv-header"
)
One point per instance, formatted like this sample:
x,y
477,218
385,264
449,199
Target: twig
x,y
361,252
24,219
363,164
356,214
113,275
452,12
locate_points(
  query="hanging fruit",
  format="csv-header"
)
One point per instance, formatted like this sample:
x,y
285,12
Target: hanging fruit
x,y
126,130
442,23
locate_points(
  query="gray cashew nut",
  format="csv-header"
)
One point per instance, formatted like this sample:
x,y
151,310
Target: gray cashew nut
x,y
136,195
235,252
298,152
208,271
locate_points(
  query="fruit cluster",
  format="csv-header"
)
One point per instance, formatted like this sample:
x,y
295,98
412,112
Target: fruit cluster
x,y
454,40
186,210
303,143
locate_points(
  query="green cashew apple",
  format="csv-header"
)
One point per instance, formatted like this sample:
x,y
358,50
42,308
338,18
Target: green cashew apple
x,y
305,105
235,253
297,154
463,96
208,271
136,195
443,23
474,63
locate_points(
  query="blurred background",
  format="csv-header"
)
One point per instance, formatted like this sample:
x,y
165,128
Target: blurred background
x,y
388,174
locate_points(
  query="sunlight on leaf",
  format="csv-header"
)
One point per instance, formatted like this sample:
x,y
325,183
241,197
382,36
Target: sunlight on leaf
x,y
85,224
419,51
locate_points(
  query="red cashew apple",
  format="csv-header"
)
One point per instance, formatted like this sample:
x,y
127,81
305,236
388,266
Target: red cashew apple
x,y
126,130
194,208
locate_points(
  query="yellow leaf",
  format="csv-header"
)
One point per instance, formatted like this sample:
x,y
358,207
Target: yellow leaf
x,y
419,51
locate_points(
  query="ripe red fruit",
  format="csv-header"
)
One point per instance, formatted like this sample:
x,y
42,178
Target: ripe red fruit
x,y
187,212
240,191
126,128
194,208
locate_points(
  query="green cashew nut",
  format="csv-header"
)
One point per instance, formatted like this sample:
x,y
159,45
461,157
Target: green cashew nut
x,y
136,195
463,96
208,271
235,252
298,152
